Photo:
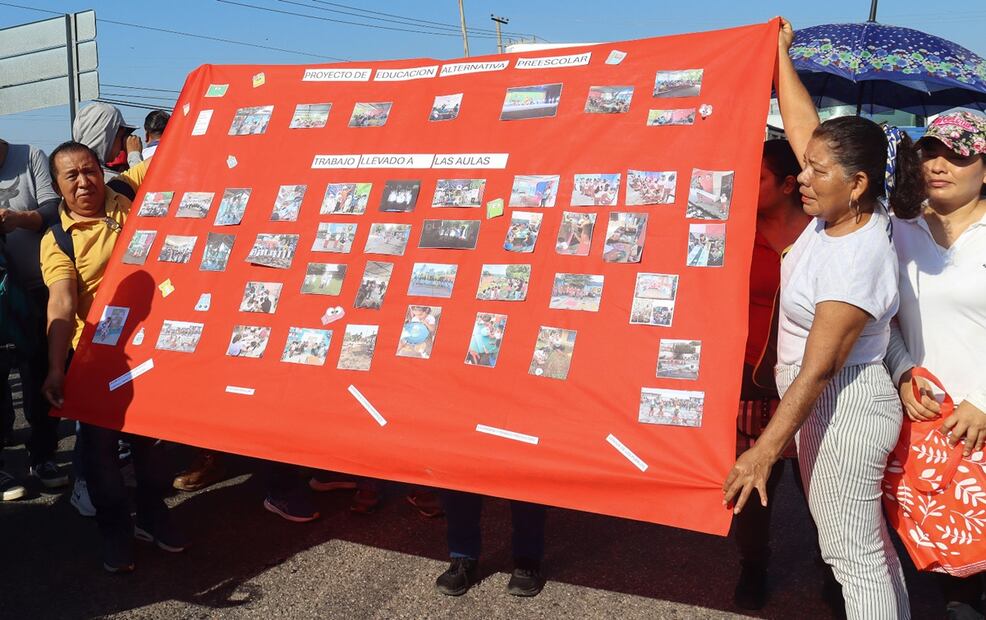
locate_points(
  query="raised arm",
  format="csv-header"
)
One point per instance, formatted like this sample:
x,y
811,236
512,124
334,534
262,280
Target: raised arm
x,y
797,109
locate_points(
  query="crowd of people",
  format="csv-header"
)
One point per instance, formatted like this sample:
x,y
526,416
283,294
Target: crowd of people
x,y
846,202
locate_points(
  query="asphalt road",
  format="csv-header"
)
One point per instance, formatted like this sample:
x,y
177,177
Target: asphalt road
x,y
248,563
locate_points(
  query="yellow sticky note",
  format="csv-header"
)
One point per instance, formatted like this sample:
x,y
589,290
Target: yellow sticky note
x,y
259,80
166,288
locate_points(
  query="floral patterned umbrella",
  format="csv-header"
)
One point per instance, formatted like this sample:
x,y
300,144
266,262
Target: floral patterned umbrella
x,y
878,67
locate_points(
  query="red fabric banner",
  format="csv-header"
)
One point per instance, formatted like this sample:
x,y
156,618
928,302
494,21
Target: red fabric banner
x,y
602,390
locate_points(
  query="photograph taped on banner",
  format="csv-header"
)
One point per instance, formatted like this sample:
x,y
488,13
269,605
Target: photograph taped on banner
x,y
553,353
625,236
432,280
575,233
466,193
139,247
155,204
179,336
681,83
577,291
596,190
307,346
346,198
110,325
419,331
503,282
656,286
534,190
232,207
387,239
450,234
272,250
251,121
445,107
373,286
288,203
679,359
324,278
710,194
370,114
177,249
195,205
334,237
486,339
400,196
681,116
248,341
522,235
706,245
651,188
218,247
608,99
310,115
659,312
671,407
358,345
524,102
261,297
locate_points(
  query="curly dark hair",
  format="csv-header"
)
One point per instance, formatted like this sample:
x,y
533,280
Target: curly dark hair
x,y
859,145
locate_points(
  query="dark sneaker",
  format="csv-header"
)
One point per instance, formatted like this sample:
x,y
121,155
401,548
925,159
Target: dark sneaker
x,y
9,488
461,574
297,509
49,474
118,554
751,589
323,481
162,533
365,501
427,503
206,471
526,580
956,610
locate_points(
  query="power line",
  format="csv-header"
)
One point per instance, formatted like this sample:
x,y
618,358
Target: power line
x,y
147,88
184,34
133,96
342,21
129,104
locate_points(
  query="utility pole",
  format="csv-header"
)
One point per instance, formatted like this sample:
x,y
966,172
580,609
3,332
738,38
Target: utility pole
x,y
462,20
873,10
499,39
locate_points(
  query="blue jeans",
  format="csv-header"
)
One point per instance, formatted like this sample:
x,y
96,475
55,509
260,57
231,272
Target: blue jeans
x,y
463,512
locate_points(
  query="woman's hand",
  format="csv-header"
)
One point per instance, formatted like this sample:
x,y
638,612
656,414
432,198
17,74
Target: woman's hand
x,y
750,472
922,408
970,422
785,37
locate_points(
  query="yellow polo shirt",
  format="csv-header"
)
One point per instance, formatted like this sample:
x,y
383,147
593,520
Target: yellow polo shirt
x,y
93,242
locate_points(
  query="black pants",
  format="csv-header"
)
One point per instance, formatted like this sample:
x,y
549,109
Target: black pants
x,y
751,527
463,512
32,366
968,590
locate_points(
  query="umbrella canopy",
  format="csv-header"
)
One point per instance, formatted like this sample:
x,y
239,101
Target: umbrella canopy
x,y
880,67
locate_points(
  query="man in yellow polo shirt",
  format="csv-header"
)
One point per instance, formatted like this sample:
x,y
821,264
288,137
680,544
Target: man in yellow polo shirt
x,y
92,216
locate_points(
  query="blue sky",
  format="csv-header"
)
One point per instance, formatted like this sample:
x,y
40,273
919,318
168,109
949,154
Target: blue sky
x,y
141,59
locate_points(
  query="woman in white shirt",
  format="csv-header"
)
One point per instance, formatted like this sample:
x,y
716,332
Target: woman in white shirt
x,y
838,294
942,319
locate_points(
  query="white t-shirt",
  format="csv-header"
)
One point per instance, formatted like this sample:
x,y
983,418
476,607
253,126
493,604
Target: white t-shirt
x,y
859,269
942,315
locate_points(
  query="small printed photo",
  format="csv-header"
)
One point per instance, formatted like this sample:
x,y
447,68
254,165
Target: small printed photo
x,y
217,250
445,107
418,333
576,291
523,231
709,195
288,203
400,196
310,115
686,83
251,121
323,278
679,359
155,204
504,282
110,325
387,239
177,249
595,189
232,207
346,198
656,286
334,237
706,245
261,297
625,237
682,116
139,247
373,286
659,312
195,204
459,193
575,233
539,101
450,234
306,346
553,353
273,250
179,336
608,99
358,344
248,341
432,280
534,190
370,114
671,407
651,188
487,337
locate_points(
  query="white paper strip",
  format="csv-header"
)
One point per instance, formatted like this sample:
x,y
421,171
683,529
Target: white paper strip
x,y
499,432
554,62
410,73
335,161
131,374
627,452
471,160
367,405
337,75
396,160
235,389
460,68
202,123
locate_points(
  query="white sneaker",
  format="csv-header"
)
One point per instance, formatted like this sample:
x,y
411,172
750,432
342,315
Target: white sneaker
x,y
9,488
80,499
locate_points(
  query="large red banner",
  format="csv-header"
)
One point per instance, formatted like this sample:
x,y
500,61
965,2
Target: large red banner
x,y
316,270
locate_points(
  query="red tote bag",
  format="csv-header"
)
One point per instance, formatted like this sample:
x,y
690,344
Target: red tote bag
x,y
935,498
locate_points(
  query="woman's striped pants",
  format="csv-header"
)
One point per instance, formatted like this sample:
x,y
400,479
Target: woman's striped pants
x,y
842,450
